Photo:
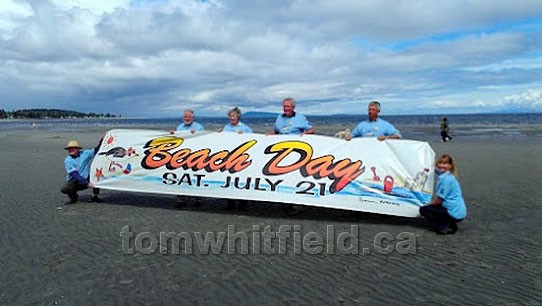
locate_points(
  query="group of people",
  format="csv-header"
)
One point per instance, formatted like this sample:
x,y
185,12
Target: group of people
x,y
235,124
444,212
291,122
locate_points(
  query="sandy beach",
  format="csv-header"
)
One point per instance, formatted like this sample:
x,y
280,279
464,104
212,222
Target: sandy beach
x,y
56,254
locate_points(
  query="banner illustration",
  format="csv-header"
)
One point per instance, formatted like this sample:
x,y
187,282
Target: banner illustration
x,y
364,174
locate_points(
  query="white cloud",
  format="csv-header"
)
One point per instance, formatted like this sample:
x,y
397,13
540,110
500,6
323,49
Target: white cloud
x,y
97,7
531,98
12,13
414,56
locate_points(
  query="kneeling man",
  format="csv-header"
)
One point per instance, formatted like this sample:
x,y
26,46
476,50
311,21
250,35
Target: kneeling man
x,y
77,165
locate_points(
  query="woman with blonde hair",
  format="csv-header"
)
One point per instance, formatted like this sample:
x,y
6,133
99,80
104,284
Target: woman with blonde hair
x,y
447,207
235,124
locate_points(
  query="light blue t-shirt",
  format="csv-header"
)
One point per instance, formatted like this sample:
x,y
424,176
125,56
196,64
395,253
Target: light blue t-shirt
x,y
80,164
236,128
380,127
449,191
188,127
296,124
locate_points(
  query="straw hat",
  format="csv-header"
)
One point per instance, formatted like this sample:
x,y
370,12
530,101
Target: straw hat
x,y
73,144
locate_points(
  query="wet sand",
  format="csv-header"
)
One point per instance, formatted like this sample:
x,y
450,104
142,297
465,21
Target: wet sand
x,y
73,254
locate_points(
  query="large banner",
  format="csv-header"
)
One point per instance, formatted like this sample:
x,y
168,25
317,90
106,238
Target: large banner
x,y
389,177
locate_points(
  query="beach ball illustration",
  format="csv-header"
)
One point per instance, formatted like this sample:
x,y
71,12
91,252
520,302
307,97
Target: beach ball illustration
x,y
127,169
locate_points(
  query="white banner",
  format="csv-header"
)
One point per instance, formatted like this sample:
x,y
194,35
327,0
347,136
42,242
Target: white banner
x,y
389,177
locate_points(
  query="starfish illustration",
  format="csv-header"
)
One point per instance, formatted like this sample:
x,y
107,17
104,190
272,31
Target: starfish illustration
x,y
99,174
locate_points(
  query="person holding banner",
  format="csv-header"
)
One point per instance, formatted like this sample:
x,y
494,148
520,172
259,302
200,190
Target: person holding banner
x,y
291,122
448,206
235,124
374,127
238,127
77,165
188,123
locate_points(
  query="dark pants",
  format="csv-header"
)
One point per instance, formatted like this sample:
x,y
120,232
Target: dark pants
x,y
445,136
242,204
71,187
439,218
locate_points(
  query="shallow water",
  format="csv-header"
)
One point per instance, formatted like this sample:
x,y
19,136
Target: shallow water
x,y
422,127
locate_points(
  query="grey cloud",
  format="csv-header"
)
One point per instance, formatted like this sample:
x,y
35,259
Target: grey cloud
x,y
148,60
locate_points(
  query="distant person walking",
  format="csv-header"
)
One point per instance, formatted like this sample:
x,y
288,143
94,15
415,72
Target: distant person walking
x,y
444,129
374,126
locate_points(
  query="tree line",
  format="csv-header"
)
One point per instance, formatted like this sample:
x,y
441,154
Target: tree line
x,y
42,113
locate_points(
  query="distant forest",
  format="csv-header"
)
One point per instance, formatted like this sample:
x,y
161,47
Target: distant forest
x,y
42,113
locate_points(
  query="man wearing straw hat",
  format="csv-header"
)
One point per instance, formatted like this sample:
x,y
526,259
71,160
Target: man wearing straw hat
x,y
77,165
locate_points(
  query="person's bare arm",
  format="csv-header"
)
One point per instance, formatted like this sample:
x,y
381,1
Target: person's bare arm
x,y
309,131
436,201
395,136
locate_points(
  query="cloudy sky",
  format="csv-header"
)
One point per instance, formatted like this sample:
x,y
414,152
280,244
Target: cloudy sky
x,y
145,58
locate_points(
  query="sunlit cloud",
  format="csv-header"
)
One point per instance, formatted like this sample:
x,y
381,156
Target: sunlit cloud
x,y
155,58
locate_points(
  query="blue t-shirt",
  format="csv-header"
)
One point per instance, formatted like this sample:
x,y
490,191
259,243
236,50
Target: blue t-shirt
x,y
188,127
296,124
449,191
236,128
380,127
81,164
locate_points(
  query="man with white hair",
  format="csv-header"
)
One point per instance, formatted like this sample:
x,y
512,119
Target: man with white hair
x,y
374,126
188,123
290,122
